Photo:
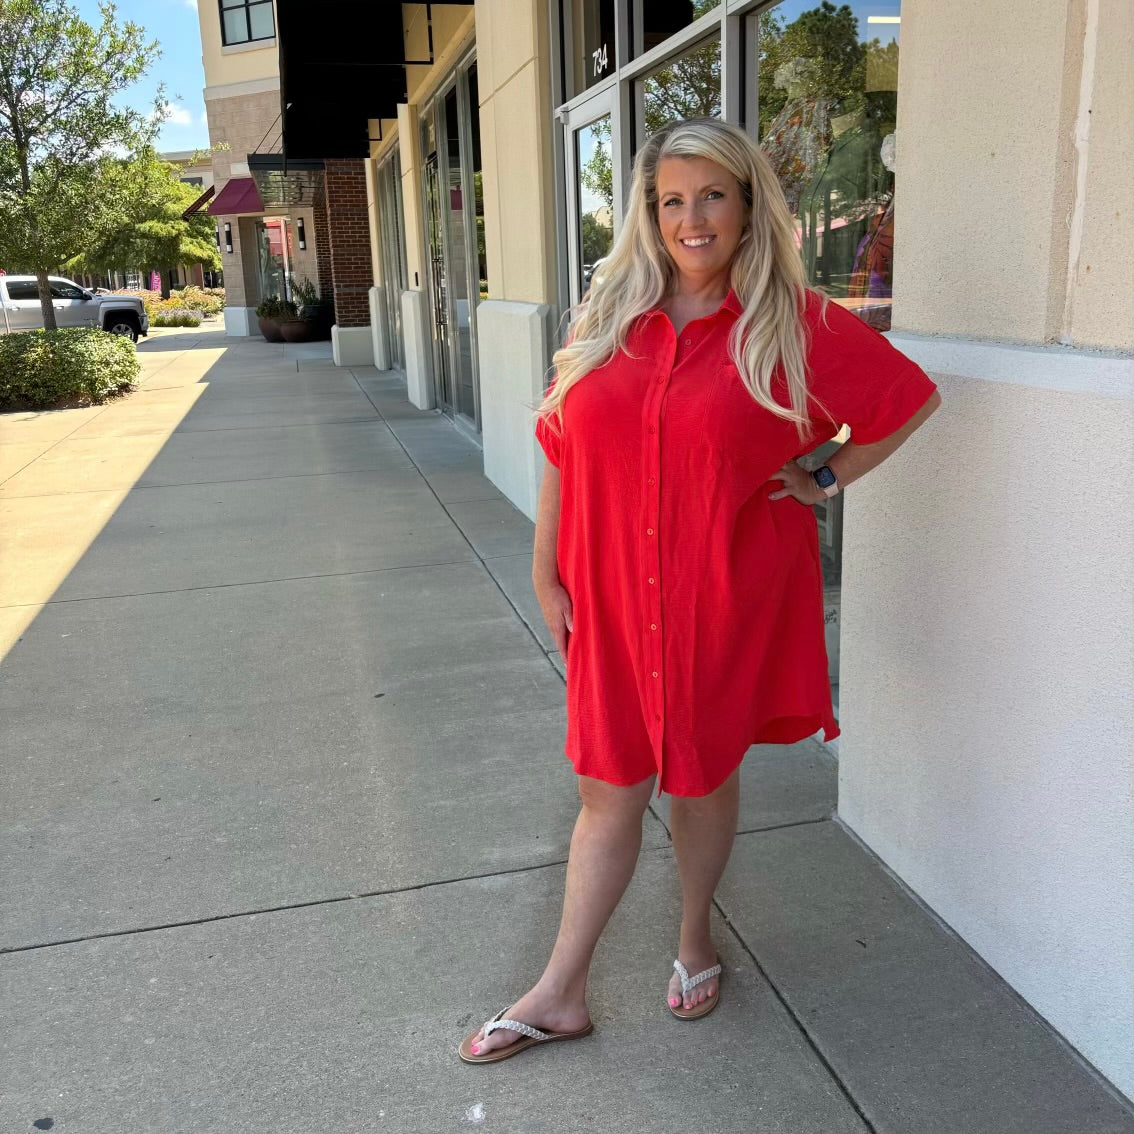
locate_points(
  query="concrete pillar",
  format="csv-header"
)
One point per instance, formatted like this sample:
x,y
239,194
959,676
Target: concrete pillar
x,y
514,327
352,273
987,682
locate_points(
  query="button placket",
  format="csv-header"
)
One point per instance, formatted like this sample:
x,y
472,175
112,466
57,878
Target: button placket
x,y
652,558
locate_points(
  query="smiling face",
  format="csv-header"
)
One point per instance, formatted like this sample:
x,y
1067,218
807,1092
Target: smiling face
x,y
702,215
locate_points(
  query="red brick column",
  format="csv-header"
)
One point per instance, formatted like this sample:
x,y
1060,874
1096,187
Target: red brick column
x,y
322,244
348,224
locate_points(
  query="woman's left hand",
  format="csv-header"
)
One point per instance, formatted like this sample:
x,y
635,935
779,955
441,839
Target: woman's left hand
x,y
797,482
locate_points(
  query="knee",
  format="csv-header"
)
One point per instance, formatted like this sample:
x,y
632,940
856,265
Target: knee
x,y
614,802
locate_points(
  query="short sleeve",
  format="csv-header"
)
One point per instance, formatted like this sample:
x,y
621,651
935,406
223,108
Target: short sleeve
x,y
549,435
861,379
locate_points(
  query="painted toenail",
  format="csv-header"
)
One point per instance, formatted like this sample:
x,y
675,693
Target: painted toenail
x,y
475,1049
675,1002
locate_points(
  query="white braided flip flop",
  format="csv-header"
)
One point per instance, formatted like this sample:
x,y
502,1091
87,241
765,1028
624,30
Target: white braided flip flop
x,y
532,1036
687,983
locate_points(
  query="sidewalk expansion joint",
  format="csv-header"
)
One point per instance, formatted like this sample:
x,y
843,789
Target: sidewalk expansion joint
x,y
802,1028
238,914
247,583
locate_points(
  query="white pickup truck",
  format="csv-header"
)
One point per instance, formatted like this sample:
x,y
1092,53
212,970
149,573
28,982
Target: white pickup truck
x,y
20,309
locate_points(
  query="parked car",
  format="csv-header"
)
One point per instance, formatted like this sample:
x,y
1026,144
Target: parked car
x,y
74,307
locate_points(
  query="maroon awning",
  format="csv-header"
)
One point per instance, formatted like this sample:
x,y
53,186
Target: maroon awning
x,y
239,195
199,203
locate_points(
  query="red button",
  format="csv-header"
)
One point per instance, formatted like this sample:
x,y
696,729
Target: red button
x,y
660,381
653,625
650,481
649,531
655,673
651,582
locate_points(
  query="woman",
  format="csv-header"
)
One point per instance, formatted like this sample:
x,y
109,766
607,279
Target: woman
x,y
676,551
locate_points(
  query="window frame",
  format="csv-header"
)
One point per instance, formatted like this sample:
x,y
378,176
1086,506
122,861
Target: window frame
x,y
246,7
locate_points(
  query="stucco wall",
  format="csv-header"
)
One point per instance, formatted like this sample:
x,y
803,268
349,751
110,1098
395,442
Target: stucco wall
x,y
516,143
987,673
987,688
1010,163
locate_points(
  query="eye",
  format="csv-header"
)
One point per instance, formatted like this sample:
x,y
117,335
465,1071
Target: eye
x,y
713,193
671,201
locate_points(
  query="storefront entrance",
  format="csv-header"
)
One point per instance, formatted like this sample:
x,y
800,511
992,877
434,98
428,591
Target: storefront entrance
x,y
454,224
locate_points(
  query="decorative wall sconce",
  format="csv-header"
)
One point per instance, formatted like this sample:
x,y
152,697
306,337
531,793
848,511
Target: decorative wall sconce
x,y
227,236
217,234
301,234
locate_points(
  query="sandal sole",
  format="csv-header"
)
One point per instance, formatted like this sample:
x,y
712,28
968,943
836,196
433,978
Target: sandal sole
x,y
502,1053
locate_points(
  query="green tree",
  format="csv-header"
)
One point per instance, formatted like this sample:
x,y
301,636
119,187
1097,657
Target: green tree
x,y
153,232
61,134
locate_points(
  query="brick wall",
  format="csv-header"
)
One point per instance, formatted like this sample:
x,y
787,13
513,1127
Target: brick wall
x,y
348,231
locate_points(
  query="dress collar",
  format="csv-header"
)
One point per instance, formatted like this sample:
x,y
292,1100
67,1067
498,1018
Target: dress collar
x,y
731,302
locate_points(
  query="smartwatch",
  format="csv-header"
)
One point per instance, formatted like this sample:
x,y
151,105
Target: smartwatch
x,y
826,479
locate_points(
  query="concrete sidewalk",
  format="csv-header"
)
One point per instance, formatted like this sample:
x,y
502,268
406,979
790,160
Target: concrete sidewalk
x,y
286,812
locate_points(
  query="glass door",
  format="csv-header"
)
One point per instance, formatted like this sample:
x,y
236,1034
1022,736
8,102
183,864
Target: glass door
x,y
594,187
438,280
454,220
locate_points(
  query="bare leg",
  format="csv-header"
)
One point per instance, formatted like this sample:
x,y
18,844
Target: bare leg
x,y
703,829
604,851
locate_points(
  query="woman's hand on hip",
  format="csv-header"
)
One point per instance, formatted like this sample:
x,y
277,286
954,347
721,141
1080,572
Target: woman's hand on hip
x,y
558,612
797,482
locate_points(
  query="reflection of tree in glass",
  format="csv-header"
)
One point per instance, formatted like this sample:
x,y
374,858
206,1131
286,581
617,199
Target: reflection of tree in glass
x,y
689,87
597,239
828,37
596,175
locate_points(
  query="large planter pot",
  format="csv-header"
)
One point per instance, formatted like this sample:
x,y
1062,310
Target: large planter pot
x,y
319,318
270,329
295,331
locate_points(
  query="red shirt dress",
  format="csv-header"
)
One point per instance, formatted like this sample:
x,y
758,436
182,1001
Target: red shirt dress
x,y
697,601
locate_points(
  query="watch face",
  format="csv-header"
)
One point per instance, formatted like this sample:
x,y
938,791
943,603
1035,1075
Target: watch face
x,y
824,477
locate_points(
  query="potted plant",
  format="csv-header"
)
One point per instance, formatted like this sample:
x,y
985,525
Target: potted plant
x,y
316,310
271,312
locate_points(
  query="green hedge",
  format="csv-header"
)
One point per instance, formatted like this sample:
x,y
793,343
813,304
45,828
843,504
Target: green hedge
x,y
76,365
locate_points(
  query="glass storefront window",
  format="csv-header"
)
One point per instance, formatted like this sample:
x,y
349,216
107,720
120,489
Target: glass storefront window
x,y
654,21
828,83
686,87
591,43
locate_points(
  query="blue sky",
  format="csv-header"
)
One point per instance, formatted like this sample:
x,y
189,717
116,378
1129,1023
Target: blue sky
x,y
173,23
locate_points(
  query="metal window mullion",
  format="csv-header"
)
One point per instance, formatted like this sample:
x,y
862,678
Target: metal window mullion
x,y
732,69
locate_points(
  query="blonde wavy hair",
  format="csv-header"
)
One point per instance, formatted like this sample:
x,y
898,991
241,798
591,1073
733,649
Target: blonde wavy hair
x,y
638,274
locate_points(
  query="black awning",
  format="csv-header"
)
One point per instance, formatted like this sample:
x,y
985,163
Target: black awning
x,y
342,62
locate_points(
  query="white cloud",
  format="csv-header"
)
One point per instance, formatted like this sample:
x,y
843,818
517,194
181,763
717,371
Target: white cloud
x,y
178,115
190,4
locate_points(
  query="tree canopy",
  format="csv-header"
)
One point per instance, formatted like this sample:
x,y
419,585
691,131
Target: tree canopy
x,y
151,230
62,137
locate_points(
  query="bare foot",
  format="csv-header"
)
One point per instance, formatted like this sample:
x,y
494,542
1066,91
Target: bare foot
x,y
695,961
537,1009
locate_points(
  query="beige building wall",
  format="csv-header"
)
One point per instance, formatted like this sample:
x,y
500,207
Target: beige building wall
x,y
1015,214
987,680
513,57
238,63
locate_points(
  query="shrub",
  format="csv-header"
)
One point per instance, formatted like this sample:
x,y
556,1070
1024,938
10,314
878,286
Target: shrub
x,y
199,299
176,317
75,365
